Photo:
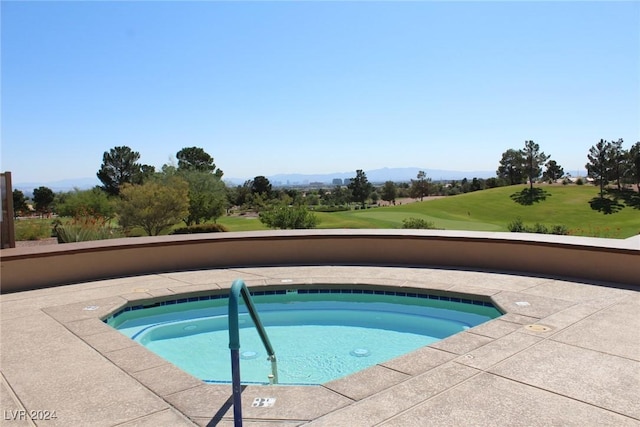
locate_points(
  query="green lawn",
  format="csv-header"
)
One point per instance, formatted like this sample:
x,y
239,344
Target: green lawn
x,y
564,205
242,223
488,210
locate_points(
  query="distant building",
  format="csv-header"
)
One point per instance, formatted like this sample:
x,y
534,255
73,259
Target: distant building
x,y
337,181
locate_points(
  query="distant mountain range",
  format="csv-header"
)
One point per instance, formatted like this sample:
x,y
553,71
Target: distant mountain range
x,y
374,175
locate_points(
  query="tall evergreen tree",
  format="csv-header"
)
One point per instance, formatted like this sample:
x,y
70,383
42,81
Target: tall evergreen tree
x,y
195,158
360,187
43,198
634,163
553,171
616,158
533,160
120,166
262,186
420,187
511,167
389,192
19,203
598,166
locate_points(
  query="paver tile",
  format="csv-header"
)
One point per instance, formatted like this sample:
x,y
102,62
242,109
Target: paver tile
x,y
67,376
166,379
614,330
461,343
135,358
487,400
85,310
293,403
386,404
365,383
600,379
85,327
577,292
497,351
207,277
13,412
419,361
495,328
109,341
529,305
168,417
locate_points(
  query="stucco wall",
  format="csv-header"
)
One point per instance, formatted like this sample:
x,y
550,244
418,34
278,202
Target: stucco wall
x,y
589,259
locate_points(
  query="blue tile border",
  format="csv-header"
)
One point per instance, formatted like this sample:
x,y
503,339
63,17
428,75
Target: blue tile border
x,y
306,291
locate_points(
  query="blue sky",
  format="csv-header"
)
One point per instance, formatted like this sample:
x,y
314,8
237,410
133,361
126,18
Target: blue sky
x,y
314,87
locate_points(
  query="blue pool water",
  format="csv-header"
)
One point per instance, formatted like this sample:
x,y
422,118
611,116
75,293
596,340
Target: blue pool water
x,y
316,337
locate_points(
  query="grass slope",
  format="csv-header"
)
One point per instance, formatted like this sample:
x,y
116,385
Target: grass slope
x,y
488,210
564,205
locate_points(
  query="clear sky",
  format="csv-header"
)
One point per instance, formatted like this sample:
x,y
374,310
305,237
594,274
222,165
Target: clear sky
x,y
314,87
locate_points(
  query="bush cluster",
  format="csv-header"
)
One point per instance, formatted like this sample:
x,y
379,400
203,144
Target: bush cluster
x,y
418,223
517,226
289,217
32,229
84,229
330,208
200,228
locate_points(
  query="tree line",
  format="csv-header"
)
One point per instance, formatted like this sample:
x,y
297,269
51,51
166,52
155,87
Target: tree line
x,y
607,162
192,191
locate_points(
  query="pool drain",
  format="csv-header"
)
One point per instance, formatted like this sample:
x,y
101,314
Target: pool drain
x,y
248,355
360,352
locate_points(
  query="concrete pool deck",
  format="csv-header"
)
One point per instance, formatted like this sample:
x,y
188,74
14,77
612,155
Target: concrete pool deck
x,y
565,353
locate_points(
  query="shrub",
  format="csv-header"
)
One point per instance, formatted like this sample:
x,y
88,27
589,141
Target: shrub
x,y
200,228
288,217
79,203
32,229
331,208
70,233
418,223
560,230
579,181
516,226
84,229
540,228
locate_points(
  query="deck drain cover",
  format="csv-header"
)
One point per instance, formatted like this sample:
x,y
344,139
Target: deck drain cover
x,y
538,328
263,402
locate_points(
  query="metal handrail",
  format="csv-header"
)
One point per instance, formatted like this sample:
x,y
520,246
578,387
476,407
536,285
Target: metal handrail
x,y
238,288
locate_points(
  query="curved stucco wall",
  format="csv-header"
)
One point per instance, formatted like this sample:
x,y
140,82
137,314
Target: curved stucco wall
x,y
589,259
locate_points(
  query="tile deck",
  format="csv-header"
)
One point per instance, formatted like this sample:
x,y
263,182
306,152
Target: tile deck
x,y
582,369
